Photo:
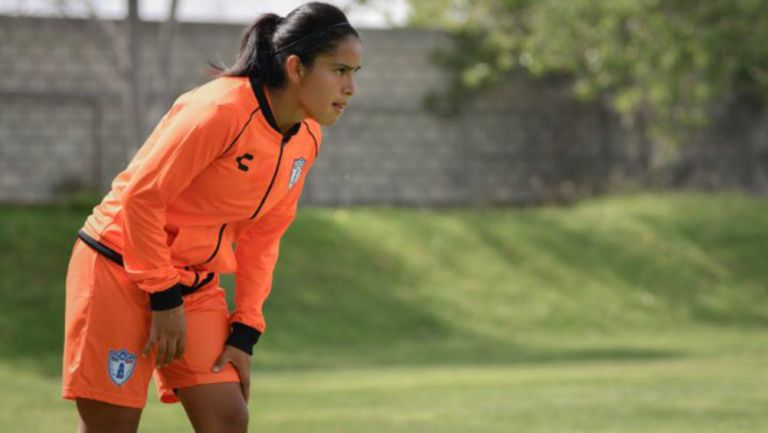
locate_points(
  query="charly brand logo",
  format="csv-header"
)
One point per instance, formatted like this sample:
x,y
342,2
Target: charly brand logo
x,y
121,365
298,164
239,159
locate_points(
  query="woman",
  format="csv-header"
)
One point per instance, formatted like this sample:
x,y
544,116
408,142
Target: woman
x,y
225,165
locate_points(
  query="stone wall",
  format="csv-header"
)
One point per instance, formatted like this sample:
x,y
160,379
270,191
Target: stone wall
x,y
61,126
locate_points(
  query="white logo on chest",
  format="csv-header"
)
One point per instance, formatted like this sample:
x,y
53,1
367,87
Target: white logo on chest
x,y
298,165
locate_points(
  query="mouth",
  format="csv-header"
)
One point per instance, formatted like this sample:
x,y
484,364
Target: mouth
x,y
339,107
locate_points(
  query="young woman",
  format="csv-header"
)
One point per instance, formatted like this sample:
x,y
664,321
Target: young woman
x,y
225,165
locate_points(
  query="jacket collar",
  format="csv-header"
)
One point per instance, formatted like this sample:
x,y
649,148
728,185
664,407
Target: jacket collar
x,y
258,89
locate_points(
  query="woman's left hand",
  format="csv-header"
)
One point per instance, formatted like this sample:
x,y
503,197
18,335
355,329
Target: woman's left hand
x,y
242,363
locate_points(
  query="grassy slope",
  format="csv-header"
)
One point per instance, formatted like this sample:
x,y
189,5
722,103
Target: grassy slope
x,y
425,286
376,286
624,314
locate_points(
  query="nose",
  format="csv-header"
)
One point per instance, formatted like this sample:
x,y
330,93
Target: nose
x,y
350,87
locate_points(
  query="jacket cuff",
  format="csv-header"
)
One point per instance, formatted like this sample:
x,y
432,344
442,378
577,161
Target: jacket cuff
x,y
167,299
243,337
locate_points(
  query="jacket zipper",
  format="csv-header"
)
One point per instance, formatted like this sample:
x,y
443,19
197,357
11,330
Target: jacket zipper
x,y
263,200
274,176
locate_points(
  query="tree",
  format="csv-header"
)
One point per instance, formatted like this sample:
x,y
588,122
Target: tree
x,y
662,62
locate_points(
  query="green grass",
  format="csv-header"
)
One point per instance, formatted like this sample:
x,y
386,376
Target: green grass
x,y
704,391
621,314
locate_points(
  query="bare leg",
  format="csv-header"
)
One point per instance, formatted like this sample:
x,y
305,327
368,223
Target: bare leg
x,y
215,408
100,417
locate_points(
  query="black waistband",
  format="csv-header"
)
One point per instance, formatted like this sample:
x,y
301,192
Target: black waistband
x,y
118,259
101,248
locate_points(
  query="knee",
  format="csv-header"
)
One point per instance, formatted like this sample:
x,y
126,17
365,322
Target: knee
x,y
233,419
240,418
216,408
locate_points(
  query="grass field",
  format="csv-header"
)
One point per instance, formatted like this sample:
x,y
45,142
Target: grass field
x,y
623,314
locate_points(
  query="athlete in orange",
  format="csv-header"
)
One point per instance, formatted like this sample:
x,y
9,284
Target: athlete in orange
x,y
211,191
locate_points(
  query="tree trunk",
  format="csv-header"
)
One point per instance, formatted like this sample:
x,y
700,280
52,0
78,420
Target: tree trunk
x,y
137,87
167,34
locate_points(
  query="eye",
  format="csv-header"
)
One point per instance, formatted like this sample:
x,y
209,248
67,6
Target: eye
x,y
341,71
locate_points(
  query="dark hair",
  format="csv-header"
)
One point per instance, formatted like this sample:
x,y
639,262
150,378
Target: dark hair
x,y
310,30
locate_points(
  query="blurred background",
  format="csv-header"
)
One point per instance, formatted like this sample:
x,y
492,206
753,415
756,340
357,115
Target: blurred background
x,y
540,216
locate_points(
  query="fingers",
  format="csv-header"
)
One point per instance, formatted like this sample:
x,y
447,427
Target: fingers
x,y
244,372
243,368
160,355
223,359
148,345
170,349
181,346
245,381
168,334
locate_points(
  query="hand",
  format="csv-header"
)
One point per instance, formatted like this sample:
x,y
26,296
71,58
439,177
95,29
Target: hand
x,y
169,332
242,363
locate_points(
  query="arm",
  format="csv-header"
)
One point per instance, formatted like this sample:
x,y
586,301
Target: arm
x,y
187,140
257,252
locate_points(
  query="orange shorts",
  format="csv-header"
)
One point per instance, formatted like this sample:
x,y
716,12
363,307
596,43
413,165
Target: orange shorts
x,y
107,322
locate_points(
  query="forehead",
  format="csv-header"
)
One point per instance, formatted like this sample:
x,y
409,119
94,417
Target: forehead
x,y
348,52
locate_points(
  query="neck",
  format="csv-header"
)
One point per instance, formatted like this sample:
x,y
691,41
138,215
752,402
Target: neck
x,y
286,108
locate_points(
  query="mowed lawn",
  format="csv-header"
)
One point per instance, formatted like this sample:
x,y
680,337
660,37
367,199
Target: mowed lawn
x,y
622,314
697,391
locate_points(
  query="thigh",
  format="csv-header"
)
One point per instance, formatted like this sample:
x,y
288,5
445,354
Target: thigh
x,y
106,326
100,417
215,407
207,319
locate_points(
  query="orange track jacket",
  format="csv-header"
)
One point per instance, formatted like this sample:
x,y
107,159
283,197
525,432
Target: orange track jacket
x,y
215,172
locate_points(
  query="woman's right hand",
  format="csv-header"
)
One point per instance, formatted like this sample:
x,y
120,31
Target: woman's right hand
x,y
169,332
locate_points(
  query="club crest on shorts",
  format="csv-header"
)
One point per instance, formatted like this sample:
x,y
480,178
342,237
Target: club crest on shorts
x,y
298,164
121,365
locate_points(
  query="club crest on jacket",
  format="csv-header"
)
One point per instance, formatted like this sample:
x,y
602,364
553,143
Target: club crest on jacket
x,y
298,164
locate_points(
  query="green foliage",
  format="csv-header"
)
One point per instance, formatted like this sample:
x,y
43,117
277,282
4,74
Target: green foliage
x,y
667,61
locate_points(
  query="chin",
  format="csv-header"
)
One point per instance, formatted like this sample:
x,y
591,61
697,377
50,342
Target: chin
x,y
326,120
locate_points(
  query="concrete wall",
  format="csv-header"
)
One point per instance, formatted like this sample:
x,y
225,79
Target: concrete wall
x,y
61,126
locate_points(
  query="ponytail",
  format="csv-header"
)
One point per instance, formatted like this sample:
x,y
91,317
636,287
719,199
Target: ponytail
x,y
256,49
310,30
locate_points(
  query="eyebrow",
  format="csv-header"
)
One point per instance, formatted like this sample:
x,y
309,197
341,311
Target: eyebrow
x,y
348,67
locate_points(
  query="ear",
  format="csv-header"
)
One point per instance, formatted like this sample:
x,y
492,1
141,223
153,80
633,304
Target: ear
x,y
294,69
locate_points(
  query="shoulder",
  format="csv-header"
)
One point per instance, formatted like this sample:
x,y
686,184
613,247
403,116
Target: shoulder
x,y
220,95
219,102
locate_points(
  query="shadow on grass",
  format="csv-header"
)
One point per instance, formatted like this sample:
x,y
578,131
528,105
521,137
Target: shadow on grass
x,y
476,353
